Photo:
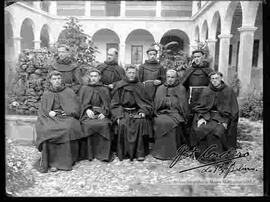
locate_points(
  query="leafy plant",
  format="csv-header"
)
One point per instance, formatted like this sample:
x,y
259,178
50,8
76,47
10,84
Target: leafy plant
x,y
252,108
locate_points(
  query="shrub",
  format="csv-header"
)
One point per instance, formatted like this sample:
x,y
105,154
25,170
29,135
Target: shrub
x,y
252,108
18,178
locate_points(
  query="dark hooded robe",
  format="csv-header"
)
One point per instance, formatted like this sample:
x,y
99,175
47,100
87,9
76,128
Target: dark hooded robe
x,y
57,137
128,100
216,106
195,79
171,108
71,73
97,141
148,72
111,72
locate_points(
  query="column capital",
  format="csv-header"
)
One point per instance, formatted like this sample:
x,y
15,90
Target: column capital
x,y
225,36
17,38
36,41
211,40
247,29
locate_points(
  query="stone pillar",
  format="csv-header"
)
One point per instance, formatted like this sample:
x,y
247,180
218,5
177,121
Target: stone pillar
x,y
87,8
224,54
192,47
37,4
158,9
121,56
53,8
37,44
123,9
212,47
245,56
17,46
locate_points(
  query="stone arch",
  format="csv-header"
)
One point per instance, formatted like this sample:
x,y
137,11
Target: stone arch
x,y
176,35
214,25
105,39
197,34
45,36
137,42
204,31
228,19
27,34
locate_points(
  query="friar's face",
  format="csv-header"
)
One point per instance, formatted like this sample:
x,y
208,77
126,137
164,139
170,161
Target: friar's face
x,y
152,55
171,77
198,58
112,56
94,77
131,74
62,52
56,81
216,80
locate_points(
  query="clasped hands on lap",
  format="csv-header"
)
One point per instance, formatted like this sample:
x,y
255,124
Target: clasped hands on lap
x,y
203,121
92,115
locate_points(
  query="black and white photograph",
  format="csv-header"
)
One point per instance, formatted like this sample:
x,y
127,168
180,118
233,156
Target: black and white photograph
x,y
134,98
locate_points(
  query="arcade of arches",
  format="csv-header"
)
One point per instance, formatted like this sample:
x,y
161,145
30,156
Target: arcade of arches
x,y
232,29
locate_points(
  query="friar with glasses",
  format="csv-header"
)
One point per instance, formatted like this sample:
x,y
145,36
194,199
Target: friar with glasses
x,y
95,103
215,121
171,107
131,109
151,73
111,72
58,128
65,63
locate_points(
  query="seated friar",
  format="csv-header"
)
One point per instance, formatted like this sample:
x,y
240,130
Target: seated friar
x,y
171,108
214,127
95,102
131,110
58,128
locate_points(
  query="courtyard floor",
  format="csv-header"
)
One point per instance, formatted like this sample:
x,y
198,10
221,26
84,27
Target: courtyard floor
x,y
153,177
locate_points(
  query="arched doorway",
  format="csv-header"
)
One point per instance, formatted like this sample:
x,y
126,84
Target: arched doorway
x,y
27,34
179,36
44,36
105,39
137,42
204,32
234,42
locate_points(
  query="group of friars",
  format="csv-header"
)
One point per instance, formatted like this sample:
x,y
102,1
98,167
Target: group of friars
x,y
120,112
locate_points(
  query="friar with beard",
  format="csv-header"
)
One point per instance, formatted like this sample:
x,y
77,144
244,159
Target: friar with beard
x,y
131,109
111,72
58,128
95,103
151,73
70,69
215,120
171,107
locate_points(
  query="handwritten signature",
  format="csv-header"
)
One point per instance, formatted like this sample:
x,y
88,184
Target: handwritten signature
x,y
221,159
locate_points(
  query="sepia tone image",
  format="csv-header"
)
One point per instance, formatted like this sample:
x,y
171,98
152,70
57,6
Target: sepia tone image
x,y
133,98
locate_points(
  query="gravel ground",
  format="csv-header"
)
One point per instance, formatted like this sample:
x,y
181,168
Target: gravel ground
x,y
153,177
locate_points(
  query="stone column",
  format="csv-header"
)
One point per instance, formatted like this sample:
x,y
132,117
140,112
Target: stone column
x,y
123,9
192,47
224,54
121,55
37,4
158,9
212,47
17,46
53,8
245,56
37,44
87,8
